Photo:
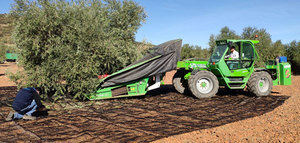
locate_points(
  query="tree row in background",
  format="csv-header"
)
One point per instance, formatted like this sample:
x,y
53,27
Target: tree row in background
x,y
194,52
293,54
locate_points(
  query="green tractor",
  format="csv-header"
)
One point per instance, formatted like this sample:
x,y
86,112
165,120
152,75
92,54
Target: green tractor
x,y
203,78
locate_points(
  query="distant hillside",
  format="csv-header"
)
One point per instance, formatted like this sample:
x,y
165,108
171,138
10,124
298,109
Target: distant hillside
x,y
6,29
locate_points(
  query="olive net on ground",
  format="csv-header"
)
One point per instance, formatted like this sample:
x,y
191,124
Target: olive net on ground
x,y
160,114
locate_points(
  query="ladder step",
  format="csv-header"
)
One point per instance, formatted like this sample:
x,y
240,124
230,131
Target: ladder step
x,y
236,87
236,82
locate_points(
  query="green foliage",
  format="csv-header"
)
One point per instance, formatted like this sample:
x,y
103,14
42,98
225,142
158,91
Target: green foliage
x,y
293,51
6,28
278,49
211,43
65,45
2,53
5,35
189,52
264,47
293,54
225,33
143,47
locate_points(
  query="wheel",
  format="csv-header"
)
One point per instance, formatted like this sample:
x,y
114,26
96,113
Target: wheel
x,y
204,84
179,83
260,83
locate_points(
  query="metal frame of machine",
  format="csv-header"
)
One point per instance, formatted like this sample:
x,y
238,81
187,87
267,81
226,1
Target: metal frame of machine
x,y
203,78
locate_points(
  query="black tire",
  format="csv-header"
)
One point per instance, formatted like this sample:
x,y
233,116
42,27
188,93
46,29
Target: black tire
x,y
260,83
203,77
178,82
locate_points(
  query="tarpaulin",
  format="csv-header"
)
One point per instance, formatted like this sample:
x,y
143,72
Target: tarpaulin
x,y
161,59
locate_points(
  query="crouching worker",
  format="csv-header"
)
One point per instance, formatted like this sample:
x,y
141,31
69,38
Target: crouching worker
x,y
27,105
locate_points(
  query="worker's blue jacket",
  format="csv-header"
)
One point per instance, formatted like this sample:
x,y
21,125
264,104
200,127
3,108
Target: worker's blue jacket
x,y
24,98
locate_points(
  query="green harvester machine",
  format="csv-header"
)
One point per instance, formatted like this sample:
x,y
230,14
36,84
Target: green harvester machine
x,y
201,78
142,76
11,56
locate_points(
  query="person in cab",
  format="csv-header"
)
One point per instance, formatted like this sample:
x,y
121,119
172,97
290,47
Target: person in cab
x,y
234,55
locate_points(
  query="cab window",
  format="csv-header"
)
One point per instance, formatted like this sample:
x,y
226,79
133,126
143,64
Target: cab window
x,y
233,64
247,55
247,52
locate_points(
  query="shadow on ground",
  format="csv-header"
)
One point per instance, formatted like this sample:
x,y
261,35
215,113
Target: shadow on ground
x,y
161,113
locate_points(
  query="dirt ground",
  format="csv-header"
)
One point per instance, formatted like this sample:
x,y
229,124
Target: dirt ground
x,y
162,115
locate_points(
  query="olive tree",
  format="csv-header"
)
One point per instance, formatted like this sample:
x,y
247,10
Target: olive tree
x,y
64,45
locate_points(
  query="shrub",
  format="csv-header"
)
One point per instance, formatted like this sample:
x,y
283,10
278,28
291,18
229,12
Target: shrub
x,y
2,53
64,45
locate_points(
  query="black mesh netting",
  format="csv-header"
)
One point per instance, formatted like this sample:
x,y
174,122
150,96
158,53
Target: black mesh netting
x,y
159,114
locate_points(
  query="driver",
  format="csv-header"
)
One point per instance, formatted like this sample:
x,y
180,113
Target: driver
x,y
233,54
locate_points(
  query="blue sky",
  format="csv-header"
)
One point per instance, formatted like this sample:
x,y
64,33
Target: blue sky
x,y
195,20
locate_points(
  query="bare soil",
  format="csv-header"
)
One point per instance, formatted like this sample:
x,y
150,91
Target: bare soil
x,y
162,115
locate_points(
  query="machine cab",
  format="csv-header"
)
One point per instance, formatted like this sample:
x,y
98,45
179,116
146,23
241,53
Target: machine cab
x,y
233,63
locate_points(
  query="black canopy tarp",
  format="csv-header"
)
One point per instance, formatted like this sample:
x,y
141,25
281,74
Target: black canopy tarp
x,y
163,58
